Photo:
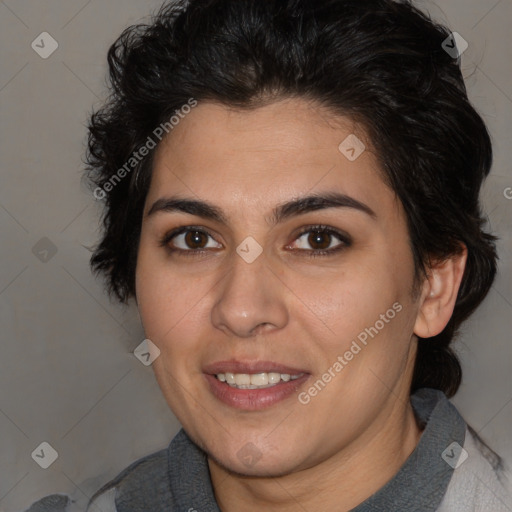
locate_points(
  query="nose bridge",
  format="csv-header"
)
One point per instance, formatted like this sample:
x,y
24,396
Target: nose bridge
x,y
249,296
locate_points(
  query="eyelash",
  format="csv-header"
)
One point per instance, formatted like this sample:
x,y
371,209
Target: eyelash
x,y
344,239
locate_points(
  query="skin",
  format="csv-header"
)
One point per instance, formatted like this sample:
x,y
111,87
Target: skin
x,y
353,436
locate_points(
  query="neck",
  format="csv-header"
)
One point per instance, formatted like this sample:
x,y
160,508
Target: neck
x,y
341,482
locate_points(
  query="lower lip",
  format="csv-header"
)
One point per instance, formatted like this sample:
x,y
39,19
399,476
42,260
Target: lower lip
x,y
254,399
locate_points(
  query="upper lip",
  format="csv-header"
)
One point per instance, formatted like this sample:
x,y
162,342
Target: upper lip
x,y
233,366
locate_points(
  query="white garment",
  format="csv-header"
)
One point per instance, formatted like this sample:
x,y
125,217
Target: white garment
x,y
475,486
105,502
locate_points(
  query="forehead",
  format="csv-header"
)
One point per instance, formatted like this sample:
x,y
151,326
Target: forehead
x,y
251,158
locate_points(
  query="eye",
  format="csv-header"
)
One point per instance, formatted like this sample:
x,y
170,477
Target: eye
x,y
321,239
188,239
193,241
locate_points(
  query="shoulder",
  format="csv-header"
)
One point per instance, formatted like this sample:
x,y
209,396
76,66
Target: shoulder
x,y
134,484
480,482
167,480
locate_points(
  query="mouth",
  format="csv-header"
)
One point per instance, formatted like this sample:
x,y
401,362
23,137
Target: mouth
x,y
253,385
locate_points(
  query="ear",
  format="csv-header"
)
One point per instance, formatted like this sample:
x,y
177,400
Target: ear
x,y
439,294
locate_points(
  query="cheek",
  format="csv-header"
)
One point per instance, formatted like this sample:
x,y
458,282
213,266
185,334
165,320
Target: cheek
x,y
364,315
155,292
170,309
171,305
349,301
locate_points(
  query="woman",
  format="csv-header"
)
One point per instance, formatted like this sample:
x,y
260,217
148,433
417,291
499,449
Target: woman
x,y
291,197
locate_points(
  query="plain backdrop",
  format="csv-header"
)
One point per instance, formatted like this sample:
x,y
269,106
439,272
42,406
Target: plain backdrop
x,y
68,376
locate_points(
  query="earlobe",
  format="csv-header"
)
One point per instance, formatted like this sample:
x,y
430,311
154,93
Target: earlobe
x,y
439,294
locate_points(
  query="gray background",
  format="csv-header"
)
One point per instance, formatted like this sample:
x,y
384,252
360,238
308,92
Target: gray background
x,y
67,372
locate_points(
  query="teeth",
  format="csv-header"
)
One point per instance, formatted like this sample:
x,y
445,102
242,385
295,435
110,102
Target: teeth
x,y
274,378
242,379
259,379
255,380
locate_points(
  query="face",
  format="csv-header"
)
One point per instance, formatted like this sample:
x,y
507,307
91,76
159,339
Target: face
x,y
304,306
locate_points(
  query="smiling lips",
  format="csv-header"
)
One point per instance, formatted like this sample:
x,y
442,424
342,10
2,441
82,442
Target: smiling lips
x,y
253,386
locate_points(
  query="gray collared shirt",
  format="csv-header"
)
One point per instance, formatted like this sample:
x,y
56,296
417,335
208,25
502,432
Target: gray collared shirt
x,y
178,479
448,471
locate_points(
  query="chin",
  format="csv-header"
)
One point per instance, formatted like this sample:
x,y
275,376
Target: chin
x,y
262,468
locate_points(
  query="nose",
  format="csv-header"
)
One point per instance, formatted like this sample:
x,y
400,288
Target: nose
x,y
251,299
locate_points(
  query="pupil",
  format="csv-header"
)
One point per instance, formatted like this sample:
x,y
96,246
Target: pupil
x,y
316,238
193,237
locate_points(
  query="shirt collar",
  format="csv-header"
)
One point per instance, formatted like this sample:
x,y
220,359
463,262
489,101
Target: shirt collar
x,y
420,483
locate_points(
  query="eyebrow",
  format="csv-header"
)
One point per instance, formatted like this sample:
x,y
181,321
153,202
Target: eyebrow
x,y
280,213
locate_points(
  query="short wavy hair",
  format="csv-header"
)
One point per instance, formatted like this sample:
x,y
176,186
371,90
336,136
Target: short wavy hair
x,y
379,62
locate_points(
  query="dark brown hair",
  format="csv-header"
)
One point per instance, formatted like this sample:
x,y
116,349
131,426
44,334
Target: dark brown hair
x,y
380,62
